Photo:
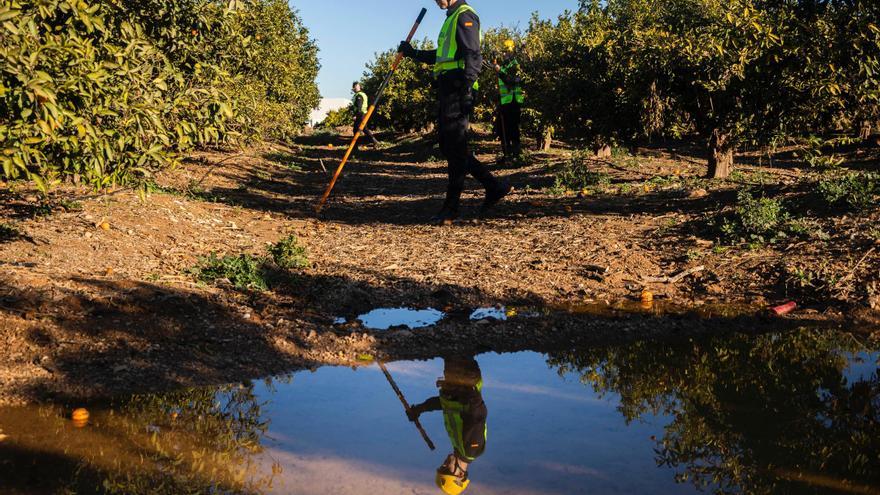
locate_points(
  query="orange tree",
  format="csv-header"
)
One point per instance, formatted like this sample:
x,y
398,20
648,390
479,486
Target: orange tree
x,y
409,102
730,72
108,91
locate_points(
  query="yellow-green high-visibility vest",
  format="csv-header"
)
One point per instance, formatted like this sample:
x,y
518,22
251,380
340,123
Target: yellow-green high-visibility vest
x,y
362,109
447,44
507,95
452,420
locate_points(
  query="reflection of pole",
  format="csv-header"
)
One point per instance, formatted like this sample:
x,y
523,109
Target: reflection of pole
x,y
406,405
370,110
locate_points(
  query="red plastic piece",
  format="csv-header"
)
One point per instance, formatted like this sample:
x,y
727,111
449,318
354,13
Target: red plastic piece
x,y
785,308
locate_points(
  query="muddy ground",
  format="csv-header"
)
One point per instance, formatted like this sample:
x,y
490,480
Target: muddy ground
x,y
96,297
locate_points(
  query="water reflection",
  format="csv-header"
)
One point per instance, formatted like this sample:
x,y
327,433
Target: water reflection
x,y
784,413
464,417
192,441
765,414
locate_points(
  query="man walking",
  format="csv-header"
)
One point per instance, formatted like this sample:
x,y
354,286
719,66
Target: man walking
x,y
359,106
457,63
512,98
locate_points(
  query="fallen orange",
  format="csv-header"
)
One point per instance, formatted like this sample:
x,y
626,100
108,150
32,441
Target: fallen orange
x,y
647,296
80,417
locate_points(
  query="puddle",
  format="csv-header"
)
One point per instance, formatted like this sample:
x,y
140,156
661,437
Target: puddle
x,y
785,413
385,318
498,313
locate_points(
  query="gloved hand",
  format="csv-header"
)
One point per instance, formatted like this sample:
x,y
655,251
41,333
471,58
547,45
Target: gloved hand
x,y
467,99
413,413
406,49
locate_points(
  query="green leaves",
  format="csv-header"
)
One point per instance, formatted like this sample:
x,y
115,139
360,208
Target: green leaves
x,y
750,70
111,89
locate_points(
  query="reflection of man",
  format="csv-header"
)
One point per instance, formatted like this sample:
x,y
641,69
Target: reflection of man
x,y
464,415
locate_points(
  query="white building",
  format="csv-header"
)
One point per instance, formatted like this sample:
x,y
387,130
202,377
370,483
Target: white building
x,y
326,106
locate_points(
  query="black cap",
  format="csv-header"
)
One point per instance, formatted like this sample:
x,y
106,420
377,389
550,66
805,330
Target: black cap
x,y
355,83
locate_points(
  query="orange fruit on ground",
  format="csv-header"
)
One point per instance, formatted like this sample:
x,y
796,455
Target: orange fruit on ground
x,y
647,296
80,417
104,225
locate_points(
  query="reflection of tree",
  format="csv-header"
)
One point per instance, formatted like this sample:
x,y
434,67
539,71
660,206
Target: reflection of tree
x,y
192,441
765,414
198,439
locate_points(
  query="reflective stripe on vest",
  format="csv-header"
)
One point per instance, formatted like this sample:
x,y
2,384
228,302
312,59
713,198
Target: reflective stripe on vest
x,y
447,44
363,107
508,96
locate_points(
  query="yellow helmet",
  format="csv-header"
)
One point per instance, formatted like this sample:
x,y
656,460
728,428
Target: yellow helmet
x,y
509,45
451,485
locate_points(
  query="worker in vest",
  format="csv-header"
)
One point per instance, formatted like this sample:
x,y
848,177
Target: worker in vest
x,y
464,415
457,63
512,97
359,106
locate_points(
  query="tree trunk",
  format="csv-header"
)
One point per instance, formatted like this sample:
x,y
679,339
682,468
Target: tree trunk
x,y
602,151
547,140
865,130
720,155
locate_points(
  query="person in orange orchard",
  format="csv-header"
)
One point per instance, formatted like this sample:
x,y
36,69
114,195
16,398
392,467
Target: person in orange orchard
x,y
457,63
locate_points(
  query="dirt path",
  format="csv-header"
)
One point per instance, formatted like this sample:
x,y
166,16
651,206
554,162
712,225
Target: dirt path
x,y
92,309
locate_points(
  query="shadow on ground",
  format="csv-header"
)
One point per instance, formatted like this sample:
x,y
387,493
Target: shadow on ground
x,y
108,337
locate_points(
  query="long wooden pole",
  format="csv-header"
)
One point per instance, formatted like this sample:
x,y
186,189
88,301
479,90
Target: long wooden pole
x,y
406,405
360,130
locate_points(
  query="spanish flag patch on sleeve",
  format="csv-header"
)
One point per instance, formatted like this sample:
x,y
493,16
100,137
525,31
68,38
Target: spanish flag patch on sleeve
x,y
468,24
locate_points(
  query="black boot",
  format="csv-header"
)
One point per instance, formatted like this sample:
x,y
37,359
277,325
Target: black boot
x,y
495,194
448,212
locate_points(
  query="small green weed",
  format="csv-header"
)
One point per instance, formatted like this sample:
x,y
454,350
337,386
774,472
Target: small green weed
x,y
575,175
193,191
243,271
806,228
249,272
44,209
8,231
811,283
70,205
288,254
855,191
736,176
694,254
814,156
756,220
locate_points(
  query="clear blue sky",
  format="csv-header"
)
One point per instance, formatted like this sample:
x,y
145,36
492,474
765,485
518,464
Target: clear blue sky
x,y
349,32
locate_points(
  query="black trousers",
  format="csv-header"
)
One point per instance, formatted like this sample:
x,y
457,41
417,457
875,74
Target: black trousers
x,y
454,124
511,113
358,118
